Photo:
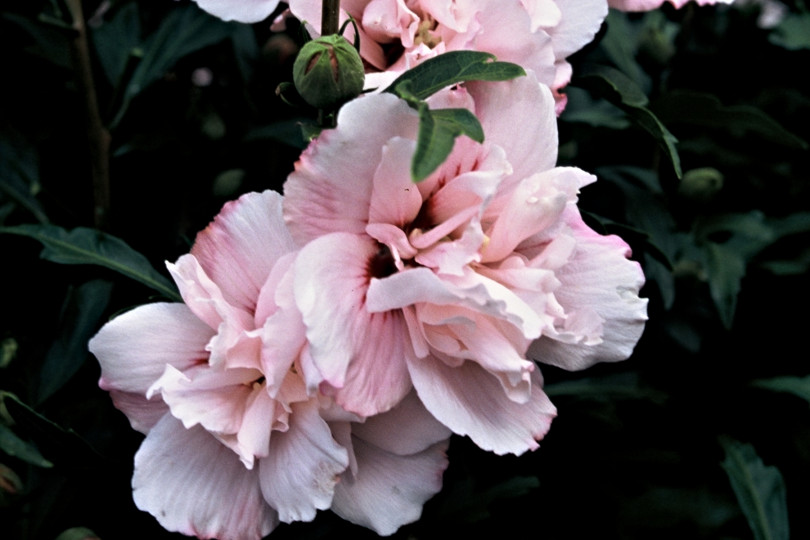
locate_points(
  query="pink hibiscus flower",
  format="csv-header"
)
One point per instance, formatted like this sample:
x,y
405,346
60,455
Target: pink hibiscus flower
x,y
236,438
647,5
445,286
396,35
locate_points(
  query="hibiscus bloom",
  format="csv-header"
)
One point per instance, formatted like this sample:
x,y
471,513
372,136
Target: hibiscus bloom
x,y
445,286
647,5
396,35
236,438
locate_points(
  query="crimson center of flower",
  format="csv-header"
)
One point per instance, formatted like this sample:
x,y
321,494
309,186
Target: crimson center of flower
x,y
381,264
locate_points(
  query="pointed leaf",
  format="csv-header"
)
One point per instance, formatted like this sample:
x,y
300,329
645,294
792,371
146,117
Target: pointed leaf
x,y
81,316
798,386
454,67
792,32
438,130
89,246
620,90
760,491
725,268
186,29
15,447
64,444
116,38
705,110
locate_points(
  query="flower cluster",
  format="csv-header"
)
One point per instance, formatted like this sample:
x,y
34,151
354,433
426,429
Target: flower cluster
x,y
331,340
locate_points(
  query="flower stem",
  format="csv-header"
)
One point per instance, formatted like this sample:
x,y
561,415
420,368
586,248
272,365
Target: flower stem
x,y
329,17
97,135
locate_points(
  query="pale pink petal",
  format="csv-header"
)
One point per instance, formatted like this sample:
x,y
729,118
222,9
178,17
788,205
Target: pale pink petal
x,y
394,198
330,189
361,354
253,438
194,485
454,396
580,21
468,335
406,429
534,149
386,20
142,413
535,204
212,398
598,278
246,11
230,344
298,476
227,249
505,31
472,290
283,334
647,5
543,13
389,490
134,348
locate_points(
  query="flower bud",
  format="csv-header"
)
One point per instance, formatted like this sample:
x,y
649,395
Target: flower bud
x,y
328,71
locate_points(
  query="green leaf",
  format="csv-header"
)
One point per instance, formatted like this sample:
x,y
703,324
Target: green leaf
x,y
15,447
705,110
760,491
725,268
186,29
77,533
115,40
454,67
793,32
438,130
798,386
89,246
19,173
621,91
611,388
467,504
84,309
54,440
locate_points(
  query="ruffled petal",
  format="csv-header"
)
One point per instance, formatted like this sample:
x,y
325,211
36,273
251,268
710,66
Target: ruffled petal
x,y
330,189
299,474
497,424
360,354
155,335
212,398
389,490
580,21
194,485
231,343
532,148
535,204
142,413
406,429
228,249
599,279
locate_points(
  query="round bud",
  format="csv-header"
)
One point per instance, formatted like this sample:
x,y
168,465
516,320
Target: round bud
x,y
328,71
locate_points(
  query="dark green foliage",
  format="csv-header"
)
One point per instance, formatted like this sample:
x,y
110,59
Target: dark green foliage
x,y
696,123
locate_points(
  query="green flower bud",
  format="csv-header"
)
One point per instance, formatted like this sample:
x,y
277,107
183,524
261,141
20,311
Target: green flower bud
x,y
701,185
328,71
